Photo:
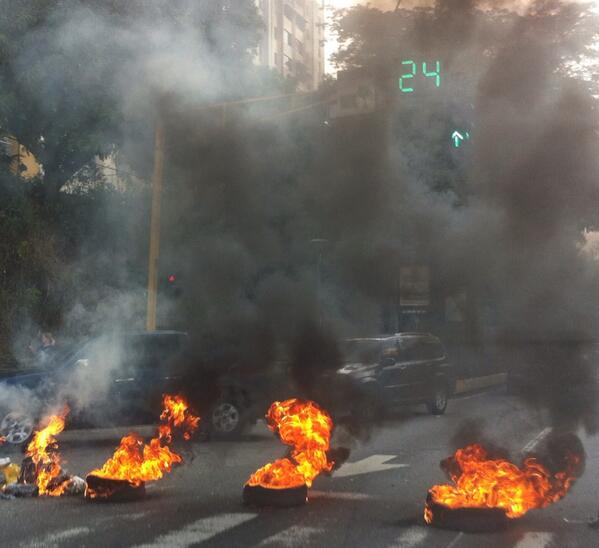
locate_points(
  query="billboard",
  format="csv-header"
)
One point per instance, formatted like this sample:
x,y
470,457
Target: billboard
x,y
414,285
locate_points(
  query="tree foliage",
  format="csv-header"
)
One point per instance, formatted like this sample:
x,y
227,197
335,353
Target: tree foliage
x,y
81,79
71,70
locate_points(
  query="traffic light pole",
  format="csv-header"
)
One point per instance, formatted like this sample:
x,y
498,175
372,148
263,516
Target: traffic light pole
x,y
157,180
154,251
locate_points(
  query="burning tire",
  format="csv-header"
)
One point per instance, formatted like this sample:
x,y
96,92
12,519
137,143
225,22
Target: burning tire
x,y
99,489
438,403
17,427
226,419
467,520
256,495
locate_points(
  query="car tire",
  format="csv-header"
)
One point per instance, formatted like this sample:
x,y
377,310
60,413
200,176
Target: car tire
x,y
16,427
226,419
438,403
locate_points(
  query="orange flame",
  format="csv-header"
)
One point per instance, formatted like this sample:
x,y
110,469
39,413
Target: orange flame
x,y
176,415
136,461
307,428
43,450
483,482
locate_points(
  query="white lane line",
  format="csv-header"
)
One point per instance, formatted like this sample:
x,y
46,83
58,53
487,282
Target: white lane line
x,y
535,540
199,531
134,517
530,446
54,539
470,396
293,536
455,541
339,495
374,463
410,538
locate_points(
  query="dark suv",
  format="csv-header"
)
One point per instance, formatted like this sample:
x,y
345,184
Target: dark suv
x,y
405,368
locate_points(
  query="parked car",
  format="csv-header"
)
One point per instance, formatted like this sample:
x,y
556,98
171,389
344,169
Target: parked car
x,y
120,379
382,372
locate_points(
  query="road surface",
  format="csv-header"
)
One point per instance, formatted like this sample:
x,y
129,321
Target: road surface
x,y
375,500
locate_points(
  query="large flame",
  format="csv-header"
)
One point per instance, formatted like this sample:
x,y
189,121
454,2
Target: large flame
x,y
176,415
136,461
484,482
43,450
307,428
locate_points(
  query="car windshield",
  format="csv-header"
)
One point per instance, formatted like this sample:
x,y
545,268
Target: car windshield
x,y
361,350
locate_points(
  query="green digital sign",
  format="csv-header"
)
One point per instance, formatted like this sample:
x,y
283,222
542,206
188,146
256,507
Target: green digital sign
x,y
408,78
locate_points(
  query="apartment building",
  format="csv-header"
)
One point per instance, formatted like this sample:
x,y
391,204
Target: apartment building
x,y
293,40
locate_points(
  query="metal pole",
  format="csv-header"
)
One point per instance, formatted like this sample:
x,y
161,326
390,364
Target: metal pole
x,y
320,242
157,178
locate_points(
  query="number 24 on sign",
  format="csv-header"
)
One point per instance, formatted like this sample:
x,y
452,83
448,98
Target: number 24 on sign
x,y
412,68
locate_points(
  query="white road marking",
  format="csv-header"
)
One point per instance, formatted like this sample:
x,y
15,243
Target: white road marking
x,y
374,463
530,446
535,540
199,531
339,495
134,517
54,539
410,538
455,541
293,536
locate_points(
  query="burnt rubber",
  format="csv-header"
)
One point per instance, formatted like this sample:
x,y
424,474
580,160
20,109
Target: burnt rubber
x,y
256,495
467,520
98,489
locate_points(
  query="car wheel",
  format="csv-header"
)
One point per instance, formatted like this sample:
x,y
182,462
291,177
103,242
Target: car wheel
x,y
16,427
226,419
438,403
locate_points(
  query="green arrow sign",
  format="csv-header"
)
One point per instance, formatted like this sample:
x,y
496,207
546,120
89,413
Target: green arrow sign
x,y
458,138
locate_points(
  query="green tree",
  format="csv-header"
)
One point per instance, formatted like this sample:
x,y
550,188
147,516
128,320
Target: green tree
x,y
71,70
80,79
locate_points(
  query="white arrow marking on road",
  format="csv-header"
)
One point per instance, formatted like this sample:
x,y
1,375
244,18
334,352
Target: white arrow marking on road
x,y
374,463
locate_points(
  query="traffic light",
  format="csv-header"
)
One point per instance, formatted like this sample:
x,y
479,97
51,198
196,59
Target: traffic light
x,y
172,285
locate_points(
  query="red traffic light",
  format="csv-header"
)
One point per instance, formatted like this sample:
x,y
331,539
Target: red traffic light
x,y
172,278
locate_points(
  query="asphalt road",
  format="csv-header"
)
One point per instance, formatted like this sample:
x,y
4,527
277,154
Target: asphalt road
x,y
375,500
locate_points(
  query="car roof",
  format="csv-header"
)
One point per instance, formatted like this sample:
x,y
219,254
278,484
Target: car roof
x,y
377,339
157,333
401,334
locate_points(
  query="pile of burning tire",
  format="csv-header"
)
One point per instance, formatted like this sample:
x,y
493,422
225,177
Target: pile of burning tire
x,y
486,493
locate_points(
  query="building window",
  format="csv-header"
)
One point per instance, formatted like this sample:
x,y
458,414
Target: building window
x,y
289,12
288,38
300,22
288,62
